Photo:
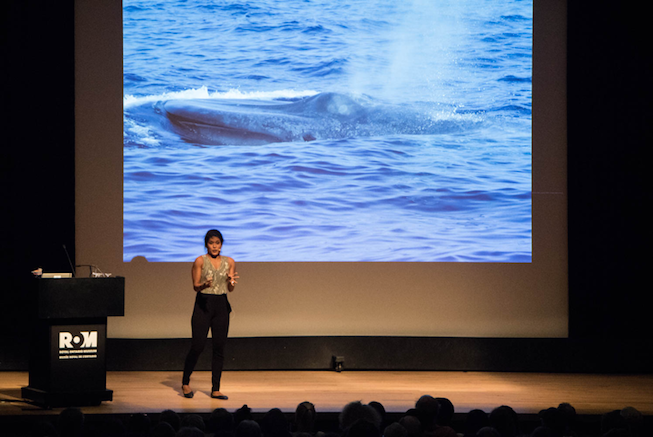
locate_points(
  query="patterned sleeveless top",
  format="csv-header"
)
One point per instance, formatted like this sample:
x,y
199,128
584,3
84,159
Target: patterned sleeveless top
x,y
219,275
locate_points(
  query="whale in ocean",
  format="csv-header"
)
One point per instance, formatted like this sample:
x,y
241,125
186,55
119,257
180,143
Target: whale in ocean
x,y
256,122
324,116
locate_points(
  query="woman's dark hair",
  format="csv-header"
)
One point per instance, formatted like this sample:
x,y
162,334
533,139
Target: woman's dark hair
x,y
212,233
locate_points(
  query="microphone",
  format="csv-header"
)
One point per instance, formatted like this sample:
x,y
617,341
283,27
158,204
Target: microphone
x,y
72,267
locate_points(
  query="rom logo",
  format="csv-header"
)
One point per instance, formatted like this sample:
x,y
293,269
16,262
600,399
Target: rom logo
x,y
85,339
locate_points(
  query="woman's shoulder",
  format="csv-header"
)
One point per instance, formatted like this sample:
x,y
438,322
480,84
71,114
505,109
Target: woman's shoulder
x,y
199,261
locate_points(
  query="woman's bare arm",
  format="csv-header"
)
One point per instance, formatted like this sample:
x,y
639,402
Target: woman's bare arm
x,y
233,275
196,273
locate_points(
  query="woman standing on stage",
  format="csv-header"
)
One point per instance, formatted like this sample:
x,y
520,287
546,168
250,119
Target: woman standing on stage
x,y
213,276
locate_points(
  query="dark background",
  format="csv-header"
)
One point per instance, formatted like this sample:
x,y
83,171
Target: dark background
x,y
609,150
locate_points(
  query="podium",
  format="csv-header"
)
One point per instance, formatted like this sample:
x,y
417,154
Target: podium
x,y
67,363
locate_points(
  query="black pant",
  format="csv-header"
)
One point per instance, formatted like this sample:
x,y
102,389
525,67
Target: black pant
x,y
211,311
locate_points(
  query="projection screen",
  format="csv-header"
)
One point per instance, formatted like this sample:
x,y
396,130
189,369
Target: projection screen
x,y
375,168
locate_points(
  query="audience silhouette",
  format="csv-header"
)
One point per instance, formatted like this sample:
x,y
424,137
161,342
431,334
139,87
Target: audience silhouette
x,y
431,417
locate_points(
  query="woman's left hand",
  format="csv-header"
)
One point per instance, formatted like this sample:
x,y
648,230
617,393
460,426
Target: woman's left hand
x,y
232,278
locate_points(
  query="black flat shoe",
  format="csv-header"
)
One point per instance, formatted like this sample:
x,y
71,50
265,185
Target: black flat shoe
x,y
220,396
187,395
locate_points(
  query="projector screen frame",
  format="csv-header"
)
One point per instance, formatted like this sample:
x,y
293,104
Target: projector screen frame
x,y
327,299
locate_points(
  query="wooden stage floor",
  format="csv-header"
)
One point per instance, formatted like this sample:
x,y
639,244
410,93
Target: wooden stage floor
x,y
526,393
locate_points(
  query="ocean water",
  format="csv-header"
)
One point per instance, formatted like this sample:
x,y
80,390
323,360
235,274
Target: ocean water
x,y
322,130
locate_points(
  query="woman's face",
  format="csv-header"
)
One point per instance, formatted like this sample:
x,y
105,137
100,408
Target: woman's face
x,y
213,246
